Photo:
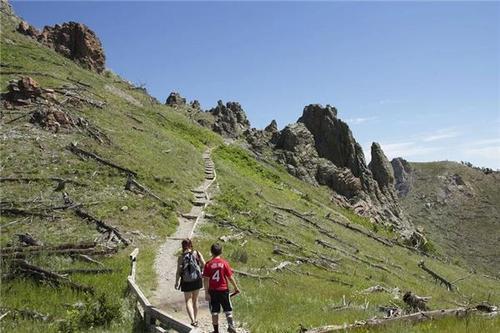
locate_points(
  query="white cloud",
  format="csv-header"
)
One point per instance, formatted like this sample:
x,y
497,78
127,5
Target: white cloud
x,y
407,149
445,133
360,120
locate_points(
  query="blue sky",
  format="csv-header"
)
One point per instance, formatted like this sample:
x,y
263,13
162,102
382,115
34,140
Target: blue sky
x,y
422,79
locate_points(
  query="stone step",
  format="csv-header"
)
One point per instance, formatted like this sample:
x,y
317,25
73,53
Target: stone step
x,y
199,202
197,190
190,216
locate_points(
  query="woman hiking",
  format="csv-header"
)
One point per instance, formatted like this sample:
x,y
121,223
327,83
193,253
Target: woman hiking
x,y
189,278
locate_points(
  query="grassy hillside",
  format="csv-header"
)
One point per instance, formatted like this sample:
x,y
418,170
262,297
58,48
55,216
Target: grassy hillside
x,y
164,148
304,294
459,208
161,146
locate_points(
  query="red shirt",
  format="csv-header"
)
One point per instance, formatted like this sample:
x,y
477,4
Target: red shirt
x,y
218,271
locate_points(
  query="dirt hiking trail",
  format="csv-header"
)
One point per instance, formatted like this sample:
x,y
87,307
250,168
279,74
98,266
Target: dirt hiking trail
x,y
166,297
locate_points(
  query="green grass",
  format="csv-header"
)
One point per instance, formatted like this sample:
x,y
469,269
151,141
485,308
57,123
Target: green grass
x,y
164,147
290,300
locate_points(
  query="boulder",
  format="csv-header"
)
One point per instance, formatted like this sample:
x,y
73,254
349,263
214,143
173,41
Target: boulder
x,y
230,119
22,92
175,99
52,119
27,29
403,176
381,168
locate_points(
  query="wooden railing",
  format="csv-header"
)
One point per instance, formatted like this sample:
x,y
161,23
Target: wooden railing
x,y
153,317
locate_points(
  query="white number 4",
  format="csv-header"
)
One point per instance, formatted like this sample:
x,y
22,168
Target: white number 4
x,y
216,276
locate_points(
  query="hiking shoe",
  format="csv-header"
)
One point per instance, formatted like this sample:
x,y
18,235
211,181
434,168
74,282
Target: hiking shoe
x,y
231,329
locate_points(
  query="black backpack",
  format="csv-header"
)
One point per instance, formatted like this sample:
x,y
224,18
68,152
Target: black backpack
x,y
191,270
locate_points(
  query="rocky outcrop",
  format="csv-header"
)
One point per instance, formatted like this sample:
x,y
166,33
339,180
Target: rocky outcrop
x,y
175,99
321,150
403,174
230,119
333,138
22,92
27,29
341,180
272,127
195,105
73,40
381,168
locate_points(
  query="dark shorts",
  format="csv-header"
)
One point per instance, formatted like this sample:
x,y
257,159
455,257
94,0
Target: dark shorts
x,y
191,286
218,299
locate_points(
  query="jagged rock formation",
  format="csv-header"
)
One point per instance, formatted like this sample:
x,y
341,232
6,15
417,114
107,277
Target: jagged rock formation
x,y
262,139
321,150
175,99
73,40
229,120
381,168
402,175
195,105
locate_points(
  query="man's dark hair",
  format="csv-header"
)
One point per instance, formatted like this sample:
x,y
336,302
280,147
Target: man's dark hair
x,y
216,249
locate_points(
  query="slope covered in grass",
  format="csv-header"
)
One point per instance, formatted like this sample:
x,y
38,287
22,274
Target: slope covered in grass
x,y
160,145
459,207
164,148
303,293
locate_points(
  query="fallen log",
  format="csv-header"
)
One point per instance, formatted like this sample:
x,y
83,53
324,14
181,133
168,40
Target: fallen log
x,y
61,182
84,245
131,183
83,153
99,223
44,274
92,251
25,314
86,271
355,257
305,217
329,279
102,224
320,263
260,277
23,212
360,230
415,317
88,259
436,276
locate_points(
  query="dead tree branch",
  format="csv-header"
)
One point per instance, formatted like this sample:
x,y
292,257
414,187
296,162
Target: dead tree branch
x,y
44,274
360,230
436,276
83,153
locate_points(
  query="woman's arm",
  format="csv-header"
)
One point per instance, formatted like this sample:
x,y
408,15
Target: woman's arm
x,y
202,260
178,274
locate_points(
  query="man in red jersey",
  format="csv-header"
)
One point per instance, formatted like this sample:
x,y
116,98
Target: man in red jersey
x,y
216,275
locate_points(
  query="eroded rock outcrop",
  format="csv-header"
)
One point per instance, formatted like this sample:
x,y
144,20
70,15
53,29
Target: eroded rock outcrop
x,y
321,150
175,99
381,168
230,119
73,40
333,138
402,176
